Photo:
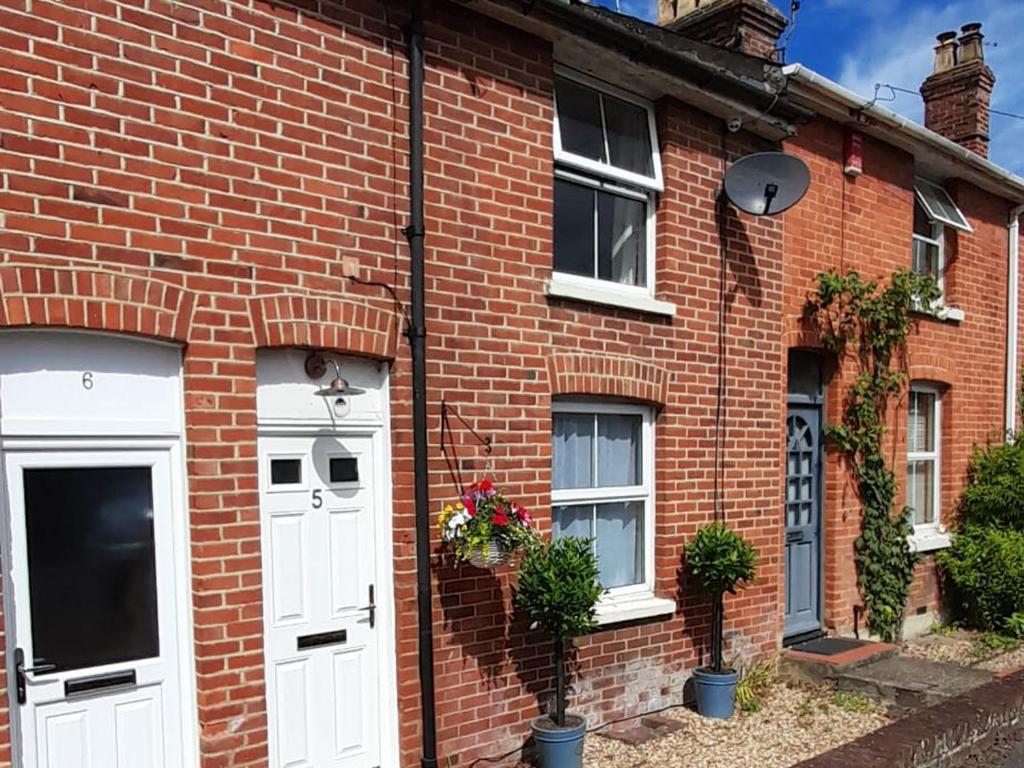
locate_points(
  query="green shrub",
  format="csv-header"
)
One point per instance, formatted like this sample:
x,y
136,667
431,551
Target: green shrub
x,y
719,559
559,589
558,586
995,491
1015,626
986,568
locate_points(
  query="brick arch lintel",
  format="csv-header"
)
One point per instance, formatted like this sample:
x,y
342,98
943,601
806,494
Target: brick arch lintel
x,y
337,323
608,376
927,366
95,300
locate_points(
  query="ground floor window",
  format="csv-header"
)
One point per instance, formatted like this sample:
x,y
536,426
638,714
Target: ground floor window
x,y
923,456
602,488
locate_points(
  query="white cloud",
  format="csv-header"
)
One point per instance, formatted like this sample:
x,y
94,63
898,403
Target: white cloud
x,y
898,50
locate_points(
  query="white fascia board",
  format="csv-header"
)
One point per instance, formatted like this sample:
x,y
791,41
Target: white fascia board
x,y
835,101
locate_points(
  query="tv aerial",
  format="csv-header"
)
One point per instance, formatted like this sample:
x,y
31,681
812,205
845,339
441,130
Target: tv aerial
x,y
767,183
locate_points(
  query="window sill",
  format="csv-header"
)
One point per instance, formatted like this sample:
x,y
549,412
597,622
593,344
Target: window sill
x,y
944,313
929,541
645,607
597,292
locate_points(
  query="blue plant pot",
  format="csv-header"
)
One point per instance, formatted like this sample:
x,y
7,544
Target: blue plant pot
x,y
559,747
716,694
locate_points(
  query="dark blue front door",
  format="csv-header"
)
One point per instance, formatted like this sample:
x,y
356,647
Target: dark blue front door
x,y
803,519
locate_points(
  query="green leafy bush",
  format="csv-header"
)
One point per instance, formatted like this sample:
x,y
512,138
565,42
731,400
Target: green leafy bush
x,y
719,559
986,568
995,491
559,589
1015,626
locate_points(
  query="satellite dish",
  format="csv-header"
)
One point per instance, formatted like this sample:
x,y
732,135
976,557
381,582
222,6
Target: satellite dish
x,y
767,183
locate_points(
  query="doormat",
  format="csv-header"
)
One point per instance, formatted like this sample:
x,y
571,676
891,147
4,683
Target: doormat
x,y
830,646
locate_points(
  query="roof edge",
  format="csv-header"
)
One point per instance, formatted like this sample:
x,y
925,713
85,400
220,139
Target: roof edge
x,y
994,177
734,77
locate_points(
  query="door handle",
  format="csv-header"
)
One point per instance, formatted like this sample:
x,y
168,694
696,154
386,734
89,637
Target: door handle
x,y
372,608
21,673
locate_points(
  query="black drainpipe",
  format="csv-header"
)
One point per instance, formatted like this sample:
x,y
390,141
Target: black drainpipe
x,y
417,333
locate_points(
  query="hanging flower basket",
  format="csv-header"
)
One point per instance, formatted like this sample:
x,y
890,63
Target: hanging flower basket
x,y
489,554
484,528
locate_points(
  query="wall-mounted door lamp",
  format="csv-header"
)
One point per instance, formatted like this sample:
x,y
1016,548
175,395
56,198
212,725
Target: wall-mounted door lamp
x,y
339,392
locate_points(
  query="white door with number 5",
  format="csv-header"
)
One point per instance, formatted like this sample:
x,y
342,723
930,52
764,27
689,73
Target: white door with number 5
x,y
320,600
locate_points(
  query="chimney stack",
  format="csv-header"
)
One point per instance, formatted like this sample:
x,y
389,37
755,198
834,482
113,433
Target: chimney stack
x,y
958,94
749,26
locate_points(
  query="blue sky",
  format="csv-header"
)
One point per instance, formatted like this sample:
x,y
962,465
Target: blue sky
x,y
862,42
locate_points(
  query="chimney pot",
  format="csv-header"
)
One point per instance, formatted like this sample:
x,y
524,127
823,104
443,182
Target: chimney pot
x,y
945,52
957,96
971,46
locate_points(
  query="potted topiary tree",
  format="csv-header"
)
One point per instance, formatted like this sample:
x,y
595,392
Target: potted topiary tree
x,y
720,561
558,590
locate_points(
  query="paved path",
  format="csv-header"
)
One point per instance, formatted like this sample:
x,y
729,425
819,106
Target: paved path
x,y
1016,757
1007,751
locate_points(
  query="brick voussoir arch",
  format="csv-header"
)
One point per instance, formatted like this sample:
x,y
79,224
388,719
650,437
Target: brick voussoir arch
x,y
337,323
94,300
608,376
928,366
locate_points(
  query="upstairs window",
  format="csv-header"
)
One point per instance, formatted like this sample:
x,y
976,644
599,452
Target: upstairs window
x,y
934,210
607,173
929,248
940,206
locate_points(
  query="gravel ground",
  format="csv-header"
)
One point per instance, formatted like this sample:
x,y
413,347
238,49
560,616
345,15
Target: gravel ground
x,y
793,725
965,648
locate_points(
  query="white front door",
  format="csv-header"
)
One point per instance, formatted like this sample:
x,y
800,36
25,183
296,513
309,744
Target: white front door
x,y
95,670
322,623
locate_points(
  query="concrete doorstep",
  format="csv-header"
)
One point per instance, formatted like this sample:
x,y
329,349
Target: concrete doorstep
x,y
911,683
938,736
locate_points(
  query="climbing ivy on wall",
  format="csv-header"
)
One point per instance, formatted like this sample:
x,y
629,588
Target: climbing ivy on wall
x,y
869,323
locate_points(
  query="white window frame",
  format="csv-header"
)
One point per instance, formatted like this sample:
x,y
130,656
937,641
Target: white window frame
x,y
933,535
596,167
636,600
638,292
922,186
601,175
937,239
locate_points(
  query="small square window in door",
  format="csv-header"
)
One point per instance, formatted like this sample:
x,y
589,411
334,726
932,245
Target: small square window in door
x,y
91,565
285,471
344,469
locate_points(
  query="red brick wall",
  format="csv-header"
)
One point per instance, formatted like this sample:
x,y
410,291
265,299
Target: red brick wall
x,y
196,171
498,342
164,167
866,224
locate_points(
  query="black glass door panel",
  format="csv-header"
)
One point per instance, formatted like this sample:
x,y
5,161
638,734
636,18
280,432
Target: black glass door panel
x,y
92,565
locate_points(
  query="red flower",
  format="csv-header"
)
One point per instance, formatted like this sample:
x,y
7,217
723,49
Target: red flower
x,y
524,515
470,506
500,518
485,486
